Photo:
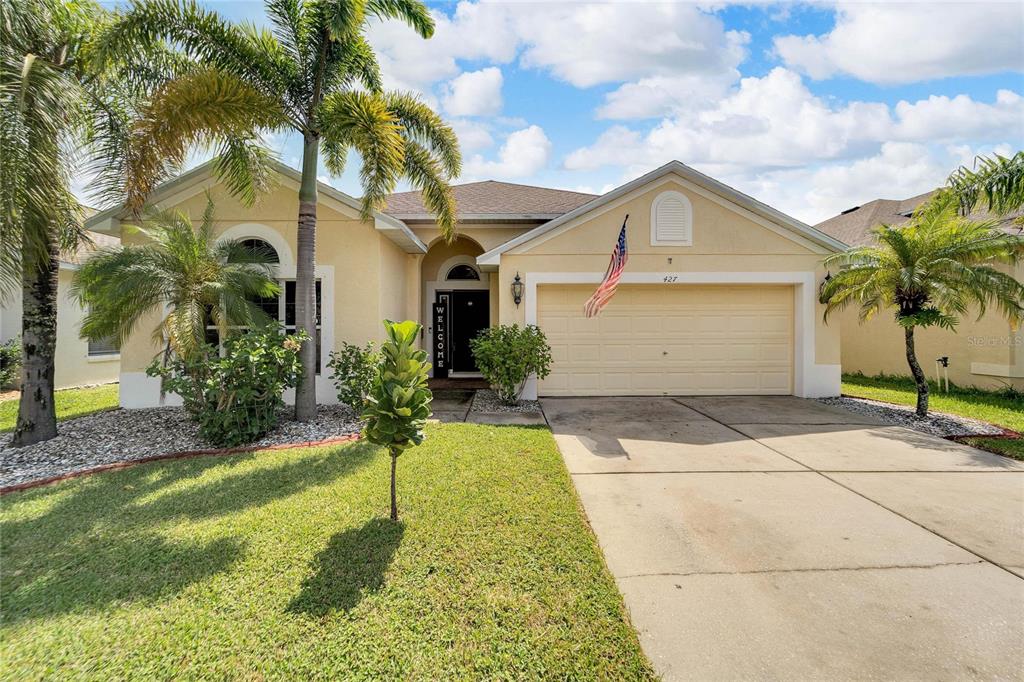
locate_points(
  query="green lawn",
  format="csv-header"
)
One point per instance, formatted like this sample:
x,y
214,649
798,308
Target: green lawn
x,y
284,565
71,402
999,408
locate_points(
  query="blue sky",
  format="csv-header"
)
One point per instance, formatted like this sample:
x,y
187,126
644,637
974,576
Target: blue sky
x,y
810,107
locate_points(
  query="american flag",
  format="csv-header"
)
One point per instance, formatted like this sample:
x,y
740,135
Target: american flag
x,y
610,282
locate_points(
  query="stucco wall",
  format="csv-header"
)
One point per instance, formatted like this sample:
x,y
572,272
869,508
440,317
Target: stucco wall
x,y
73,366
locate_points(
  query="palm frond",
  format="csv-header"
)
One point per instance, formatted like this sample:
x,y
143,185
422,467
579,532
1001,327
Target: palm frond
x,y
207,106
412,12
424,126
245,167
996,181
364,121
426,174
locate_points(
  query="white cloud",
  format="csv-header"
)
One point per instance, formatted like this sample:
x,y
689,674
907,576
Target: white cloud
x,y
524,153
775,122
665,95
473,135
590,43
584,44
474,93
899,170
943,118
905,42
474,31
768,122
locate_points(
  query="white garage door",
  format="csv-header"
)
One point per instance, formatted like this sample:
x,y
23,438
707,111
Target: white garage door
x,y
669,339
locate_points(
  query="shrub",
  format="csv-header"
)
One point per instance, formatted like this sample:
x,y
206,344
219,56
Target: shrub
x,y
507,355
354,369
10,361
398,404
235,398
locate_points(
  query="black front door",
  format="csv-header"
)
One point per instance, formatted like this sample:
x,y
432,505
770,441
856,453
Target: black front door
x,y
470,312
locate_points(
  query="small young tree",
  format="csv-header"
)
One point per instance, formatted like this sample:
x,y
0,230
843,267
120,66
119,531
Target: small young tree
x,y
508,355
398,405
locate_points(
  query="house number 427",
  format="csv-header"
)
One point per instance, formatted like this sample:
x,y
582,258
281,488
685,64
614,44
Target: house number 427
x,y
670,278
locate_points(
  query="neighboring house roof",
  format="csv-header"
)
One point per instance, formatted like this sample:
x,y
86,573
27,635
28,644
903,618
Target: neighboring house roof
x,y
393,229
854,225
491,200
492,257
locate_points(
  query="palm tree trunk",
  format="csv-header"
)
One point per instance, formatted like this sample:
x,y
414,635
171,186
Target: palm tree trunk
x,y
305,287
37,416
394,496
918,373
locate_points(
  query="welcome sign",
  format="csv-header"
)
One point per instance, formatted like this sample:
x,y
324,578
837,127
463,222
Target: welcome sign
x,y
441,360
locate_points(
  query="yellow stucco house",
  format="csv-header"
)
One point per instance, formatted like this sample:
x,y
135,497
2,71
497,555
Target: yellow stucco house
x,y
987,353
719,295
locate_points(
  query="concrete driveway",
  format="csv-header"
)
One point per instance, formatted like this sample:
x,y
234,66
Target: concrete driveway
x,y
778,538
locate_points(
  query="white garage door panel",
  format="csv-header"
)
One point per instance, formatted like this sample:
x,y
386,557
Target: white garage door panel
x,y
655,340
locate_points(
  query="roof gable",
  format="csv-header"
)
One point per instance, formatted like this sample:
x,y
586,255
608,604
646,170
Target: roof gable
x,y
707,186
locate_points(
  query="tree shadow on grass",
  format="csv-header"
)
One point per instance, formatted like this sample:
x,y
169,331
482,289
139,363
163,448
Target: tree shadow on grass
x,y
98,545
351,567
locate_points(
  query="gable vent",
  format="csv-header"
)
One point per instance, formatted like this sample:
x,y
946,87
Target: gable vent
x,y
671,220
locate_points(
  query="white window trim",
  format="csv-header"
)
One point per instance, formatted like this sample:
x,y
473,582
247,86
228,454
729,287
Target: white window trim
x,y
810,379
658,200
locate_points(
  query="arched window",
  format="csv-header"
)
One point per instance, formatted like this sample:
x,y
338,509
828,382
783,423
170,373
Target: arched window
x,y
671,220
463,271
262,248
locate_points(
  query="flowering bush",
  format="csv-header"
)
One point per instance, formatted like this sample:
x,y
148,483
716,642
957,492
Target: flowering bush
x,y
235,398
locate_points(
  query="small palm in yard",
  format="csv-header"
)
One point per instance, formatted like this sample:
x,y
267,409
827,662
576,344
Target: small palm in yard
x,y
399,402
929,271
182,270
314,74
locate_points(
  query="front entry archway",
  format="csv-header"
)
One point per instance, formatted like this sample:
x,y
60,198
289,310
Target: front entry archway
x,y
457,305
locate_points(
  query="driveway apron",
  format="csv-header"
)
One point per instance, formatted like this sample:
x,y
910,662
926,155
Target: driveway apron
x,y
779,538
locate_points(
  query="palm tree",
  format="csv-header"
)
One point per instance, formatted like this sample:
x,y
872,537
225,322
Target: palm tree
x,y
929,271
182,270
313,73
57,116
996,182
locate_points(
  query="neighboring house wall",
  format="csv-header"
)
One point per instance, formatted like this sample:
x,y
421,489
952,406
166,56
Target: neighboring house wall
x,y
730,246
986,353
73,366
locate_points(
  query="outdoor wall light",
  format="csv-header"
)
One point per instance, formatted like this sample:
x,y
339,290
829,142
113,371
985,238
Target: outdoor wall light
x,y
517,290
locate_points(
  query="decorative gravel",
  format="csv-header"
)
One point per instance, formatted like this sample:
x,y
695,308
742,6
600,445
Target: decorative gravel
x,y
936,424
126,435
486,400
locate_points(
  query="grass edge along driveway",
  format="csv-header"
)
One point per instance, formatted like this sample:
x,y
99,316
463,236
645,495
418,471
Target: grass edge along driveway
x,y
283,565
1000,408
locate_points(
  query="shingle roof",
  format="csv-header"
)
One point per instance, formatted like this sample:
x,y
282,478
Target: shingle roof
x,y
497,199
854,226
